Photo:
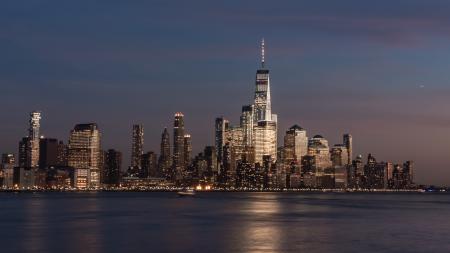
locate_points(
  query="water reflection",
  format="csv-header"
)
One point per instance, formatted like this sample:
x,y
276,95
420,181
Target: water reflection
x,y
84,225
262,232
34,239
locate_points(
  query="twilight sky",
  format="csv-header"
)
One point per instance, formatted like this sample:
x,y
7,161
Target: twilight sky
x,y
377,69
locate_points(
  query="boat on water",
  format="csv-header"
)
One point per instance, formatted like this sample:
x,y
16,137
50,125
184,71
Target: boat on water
x,y
186,193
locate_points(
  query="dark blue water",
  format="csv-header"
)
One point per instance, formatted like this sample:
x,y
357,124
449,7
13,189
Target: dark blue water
x,y
224,222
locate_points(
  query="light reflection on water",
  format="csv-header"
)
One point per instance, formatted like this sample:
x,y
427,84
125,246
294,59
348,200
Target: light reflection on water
x,y
224,222
261,234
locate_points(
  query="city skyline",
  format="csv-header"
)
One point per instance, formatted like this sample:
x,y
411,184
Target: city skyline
x,y
246,156
405,99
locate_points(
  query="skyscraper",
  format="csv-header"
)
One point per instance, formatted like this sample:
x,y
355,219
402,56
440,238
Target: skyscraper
x,y
348,143
262,101
29,145
187,150
318,148
258,126
265,123
7,170
25,153
84,155
113,165
221,128
178,145
8,159
339,155
265,140
148,163
165,160
295,144
33,135
137,146
247,124
48,152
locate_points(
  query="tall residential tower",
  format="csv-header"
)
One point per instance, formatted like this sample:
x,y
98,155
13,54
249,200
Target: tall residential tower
x,y
178,145
137,146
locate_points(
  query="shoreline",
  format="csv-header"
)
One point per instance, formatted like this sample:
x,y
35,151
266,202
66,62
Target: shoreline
x,y
349,191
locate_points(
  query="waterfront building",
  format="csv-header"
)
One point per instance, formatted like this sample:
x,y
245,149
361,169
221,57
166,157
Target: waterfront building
x,y
165,159
339,155
178,146
295,144
149,166
265,140
85,155
137,147
235,142
113,167
52,153
375,174
348,143
247,124
318,148
29,145
24,178
265,123
187,151
7,165
221,128
33,135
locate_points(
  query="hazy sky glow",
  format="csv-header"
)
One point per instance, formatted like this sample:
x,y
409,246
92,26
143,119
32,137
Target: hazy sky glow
x,y
376,69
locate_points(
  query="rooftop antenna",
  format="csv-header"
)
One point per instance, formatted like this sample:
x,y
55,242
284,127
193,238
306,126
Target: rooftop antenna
x,y
262,53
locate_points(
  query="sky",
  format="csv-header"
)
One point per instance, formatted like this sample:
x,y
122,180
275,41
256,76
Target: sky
x,y
376,69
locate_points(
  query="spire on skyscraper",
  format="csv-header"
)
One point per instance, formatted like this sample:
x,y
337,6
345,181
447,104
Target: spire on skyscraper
x,y
262,53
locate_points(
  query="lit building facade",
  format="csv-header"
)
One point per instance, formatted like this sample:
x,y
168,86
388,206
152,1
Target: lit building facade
x,y
178,146
84,155
295,144
187,151
33,135
318,148
137,145
165,159
339,155
348,143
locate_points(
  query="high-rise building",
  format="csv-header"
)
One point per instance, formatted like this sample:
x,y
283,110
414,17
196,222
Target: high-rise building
x,y
149,166
339,155
295,144
84,155
7,170
33,135
137,146
348,143
247,124
29,146
113,165
8,159
211,159
257,128
178,145
187,150
48,153
262,101
62,154
318,148
235,142
265,140
221,128
25,153
265,123
165,159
